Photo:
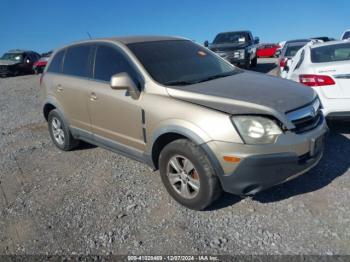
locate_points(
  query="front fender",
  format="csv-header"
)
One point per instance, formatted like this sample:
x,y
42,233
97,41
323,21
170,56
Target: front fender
x,y
181,127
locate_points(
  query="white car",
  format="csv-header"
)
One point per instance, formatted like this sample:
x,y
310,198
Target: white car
x,y
346,35
325,67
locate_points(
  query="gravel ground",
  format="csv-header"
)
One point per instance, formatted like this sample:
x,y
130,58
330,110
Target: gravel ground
x,y
92,201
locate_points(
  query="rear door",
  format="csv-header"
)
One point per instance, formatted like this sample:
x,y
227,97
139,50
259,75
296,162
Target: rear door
x,y
72,87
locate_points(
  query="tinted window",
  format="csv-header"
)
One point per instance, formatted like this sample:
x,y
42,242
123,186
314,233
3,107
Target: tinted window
x,y
301,59
56,63
76,61
179,62
346,35
18,57
110,61
232,37
331,53
291,50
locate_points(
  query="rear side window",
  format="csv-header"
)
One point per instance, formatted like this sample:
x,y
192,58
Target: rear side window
x,y
346,35
110,61
292,50
301,60
56,63
77,61
330,53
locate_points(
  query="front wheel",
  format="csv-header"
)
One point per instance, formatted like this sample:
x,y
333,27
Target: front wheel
x,y
187,175
255,62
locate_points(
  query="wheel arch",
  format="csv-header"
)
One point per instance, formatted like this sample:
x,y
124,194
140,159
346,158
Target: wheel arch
x,y
166,135
49,105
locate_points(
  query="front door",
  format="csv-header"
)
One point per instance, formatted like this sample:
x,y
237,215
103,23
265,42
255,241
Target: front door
x,y
116,118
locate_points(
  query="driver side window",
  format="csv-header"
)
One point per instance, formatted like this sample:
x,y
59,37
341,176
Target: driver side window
x,y
110,61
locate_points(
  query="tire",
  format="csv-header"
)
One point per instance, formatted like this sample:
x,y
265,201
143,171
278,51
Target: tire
x,y
247,64
254,62
201,174
60,133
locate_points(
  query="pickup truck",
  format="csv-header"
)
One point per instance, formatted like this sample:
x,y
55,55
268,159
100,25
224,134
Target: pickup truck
x,y
237,47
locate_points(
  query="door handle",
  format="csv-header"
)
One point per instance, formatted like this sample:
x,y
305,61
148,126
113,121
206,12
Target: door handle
x,y
59,88
93,97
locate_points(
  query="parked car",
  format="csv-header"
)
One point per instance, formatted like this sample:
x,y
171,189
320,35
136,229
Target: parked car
x,y
267,50
323,38
16,62
289,50
238,47
346,35
39,65
326,68
170,103
280,47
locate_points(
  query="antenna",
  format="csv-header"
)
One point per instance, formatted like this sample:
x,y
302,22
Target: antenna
x,y
88,35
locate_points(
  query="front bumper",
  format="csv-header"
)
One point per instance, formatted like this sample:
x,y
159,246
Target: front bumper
x,y
4,72
232,58
263,166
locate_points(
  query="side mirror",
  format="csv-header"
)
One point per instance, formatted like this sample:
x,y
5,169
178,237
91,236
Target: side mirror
x,y
286,68
123,81
206,43
256,40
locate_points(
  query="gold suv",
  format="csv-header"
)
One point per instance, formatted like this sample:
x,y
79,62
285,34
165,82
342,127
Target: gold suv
x,y
178,107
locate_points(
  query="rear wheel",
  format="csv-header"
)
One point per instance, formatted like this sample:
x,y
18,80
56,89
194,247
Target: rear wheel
x,y
60,133
188,175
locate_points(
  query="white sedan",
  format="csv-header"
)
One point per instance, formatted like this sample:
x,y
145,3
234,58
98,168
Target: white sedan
x,y
325,67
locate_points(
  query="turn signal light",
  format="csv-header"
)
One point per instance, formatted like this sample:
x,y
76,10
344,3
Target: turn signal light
x,y
232,159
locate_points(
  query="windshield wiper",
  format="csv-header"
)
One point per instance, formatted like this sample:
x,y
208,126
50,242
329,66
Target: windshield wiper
x,y
215,77
184,83
179,83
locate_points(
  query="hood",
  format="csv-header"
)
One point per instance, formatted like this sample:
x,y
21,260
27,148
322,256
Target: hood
x,y
247,93
227,46
8,62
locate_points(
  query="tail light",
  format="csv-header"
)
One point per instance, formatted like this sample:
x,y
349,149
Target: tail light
x,y
41,79
283,62
316,80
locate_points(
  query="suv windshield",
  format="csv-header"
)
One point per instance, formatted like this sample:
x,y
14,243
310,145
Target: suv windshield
x,y
12,56
233,37
180,62
330,53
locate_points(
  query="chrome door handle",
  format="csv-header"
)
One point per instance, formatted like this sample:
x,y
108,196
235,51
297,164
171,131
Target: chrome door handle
x,y
93,96
59,88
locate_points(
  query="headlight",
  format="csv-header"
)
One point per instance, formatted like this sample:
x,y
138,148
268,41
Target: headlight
x,y
239,54
257,129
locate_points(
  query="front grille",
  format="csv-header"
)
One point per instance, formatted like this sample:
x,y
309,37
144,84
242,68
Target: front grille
x,y
306,118
3,68
308,123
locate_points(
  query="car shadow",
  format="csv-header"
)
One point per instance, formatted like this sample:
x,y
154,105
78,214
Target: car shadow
x,y
335,163
84,146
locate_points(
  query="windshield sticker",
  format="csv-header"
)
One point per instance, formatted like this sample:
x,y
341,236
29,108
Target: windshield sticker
x,y
241,39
